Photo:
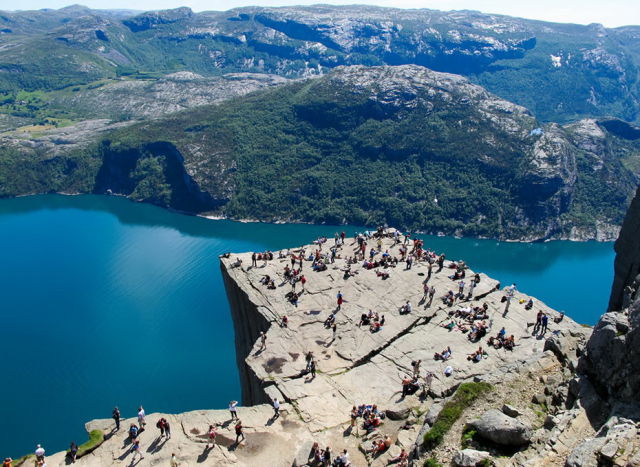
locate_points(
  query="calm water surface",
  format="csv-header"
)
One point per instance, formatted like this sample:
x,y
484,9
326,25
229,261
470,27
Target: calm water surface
x,y
108,302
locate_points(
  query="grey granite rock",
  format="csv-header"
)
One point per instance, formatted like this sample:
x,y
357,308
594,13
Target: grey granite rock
x,y
502,429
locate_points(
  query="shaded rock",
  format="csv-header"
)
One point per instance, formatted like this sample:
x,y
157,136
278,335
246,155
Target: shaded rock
x,y
502,429
510,411
398,414
539,399
469,457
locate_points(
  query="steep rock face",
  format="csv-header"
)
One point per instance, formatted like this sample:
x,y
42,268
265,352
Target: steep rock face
x,y
612,357
627,262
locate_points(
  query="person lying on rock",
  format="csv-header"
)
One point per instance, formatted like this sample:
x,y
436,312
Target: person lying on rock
x,y
401,459
476,356
365,318
478,331
509,342
444,355
377,324
371,423
383,274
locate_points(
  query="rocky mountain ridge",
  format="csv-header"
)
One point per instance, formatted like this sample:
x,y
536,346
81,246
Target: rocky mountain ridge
x,y
559,71
515,178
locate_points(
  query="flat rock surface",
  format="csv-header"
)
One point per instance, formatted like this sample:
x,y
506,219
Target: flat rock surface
x,y
356,367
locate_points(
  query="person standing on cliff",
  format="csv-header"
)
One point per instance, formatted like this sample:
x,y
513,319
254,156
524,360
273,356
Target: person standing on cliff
x,y
545,322
254,263
167,429
239,432
141,420
135,448
39,452
174,460
212,436
233,410
276,408
340,299
116,417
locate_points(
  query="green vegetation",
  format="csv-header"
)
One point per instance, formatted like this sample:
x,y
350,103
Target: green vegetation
x,y
96,438
466,394
22,460
320,151
432,462
468,435
324,151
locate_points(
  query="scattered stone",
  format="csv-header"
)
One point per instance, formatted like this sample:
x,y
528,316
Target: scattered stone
x,y
469,457
539,399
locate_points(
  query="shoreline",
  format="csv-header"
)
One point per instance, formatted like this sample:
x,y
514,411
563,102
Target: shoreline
x,y
576,239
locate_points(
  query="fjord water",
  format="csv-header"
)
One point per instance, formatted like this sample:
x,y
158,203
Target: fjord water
x,y
107,302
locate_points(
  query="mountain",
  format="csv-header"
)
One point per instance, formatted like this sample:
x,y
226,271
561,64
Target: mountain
x,y
367,145
561,72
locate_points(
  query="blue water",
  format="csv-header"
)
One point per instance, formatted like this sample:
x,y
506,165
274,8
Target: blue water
x,y
108,302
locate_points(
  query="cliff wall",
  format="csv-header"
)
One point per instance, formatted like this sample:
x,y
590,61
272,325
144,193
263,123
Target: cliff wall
x,y
612,358
627,262
248,322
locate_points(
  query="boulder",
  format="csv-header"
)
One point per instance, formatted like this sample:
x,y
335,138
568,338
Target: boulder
x,y
469,457
502,429
539,399
398,414
433,412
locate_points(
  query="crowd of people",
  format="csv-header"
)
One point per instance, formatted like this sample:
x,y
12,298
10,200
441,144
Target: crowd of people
x,y
368,253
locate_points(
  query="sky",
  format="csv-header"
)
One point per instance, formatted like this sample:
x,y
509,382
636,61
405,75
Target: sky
x,y
611,13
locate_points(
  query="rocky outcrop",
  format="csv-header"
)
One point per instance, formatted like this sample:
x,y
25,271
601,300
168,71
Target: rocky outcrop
x,y
612,358
502,429
627,262
356,366
616,443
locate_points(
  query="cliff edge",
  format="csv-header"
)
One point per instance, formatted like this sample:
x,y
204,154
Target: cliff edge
x,y
484,403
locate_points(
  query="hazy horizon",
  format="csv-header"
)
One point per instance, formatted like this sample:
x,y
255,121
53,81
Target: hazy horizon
x,y
614,13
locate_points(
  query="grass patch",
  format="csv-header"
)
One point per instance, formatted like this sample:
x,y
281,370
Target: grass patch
x,y
463,398
23,459
467,437
432,462
96,438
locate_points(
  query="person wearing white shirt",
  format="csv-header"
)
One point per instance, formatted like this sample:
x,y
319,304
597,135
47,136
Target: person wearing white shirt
x,y
233,409
141,416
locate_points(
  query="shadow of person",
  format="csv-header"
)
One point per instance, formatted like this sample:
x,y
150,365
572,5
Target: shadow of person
x,y
156,446
124,455
203,456
348,431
